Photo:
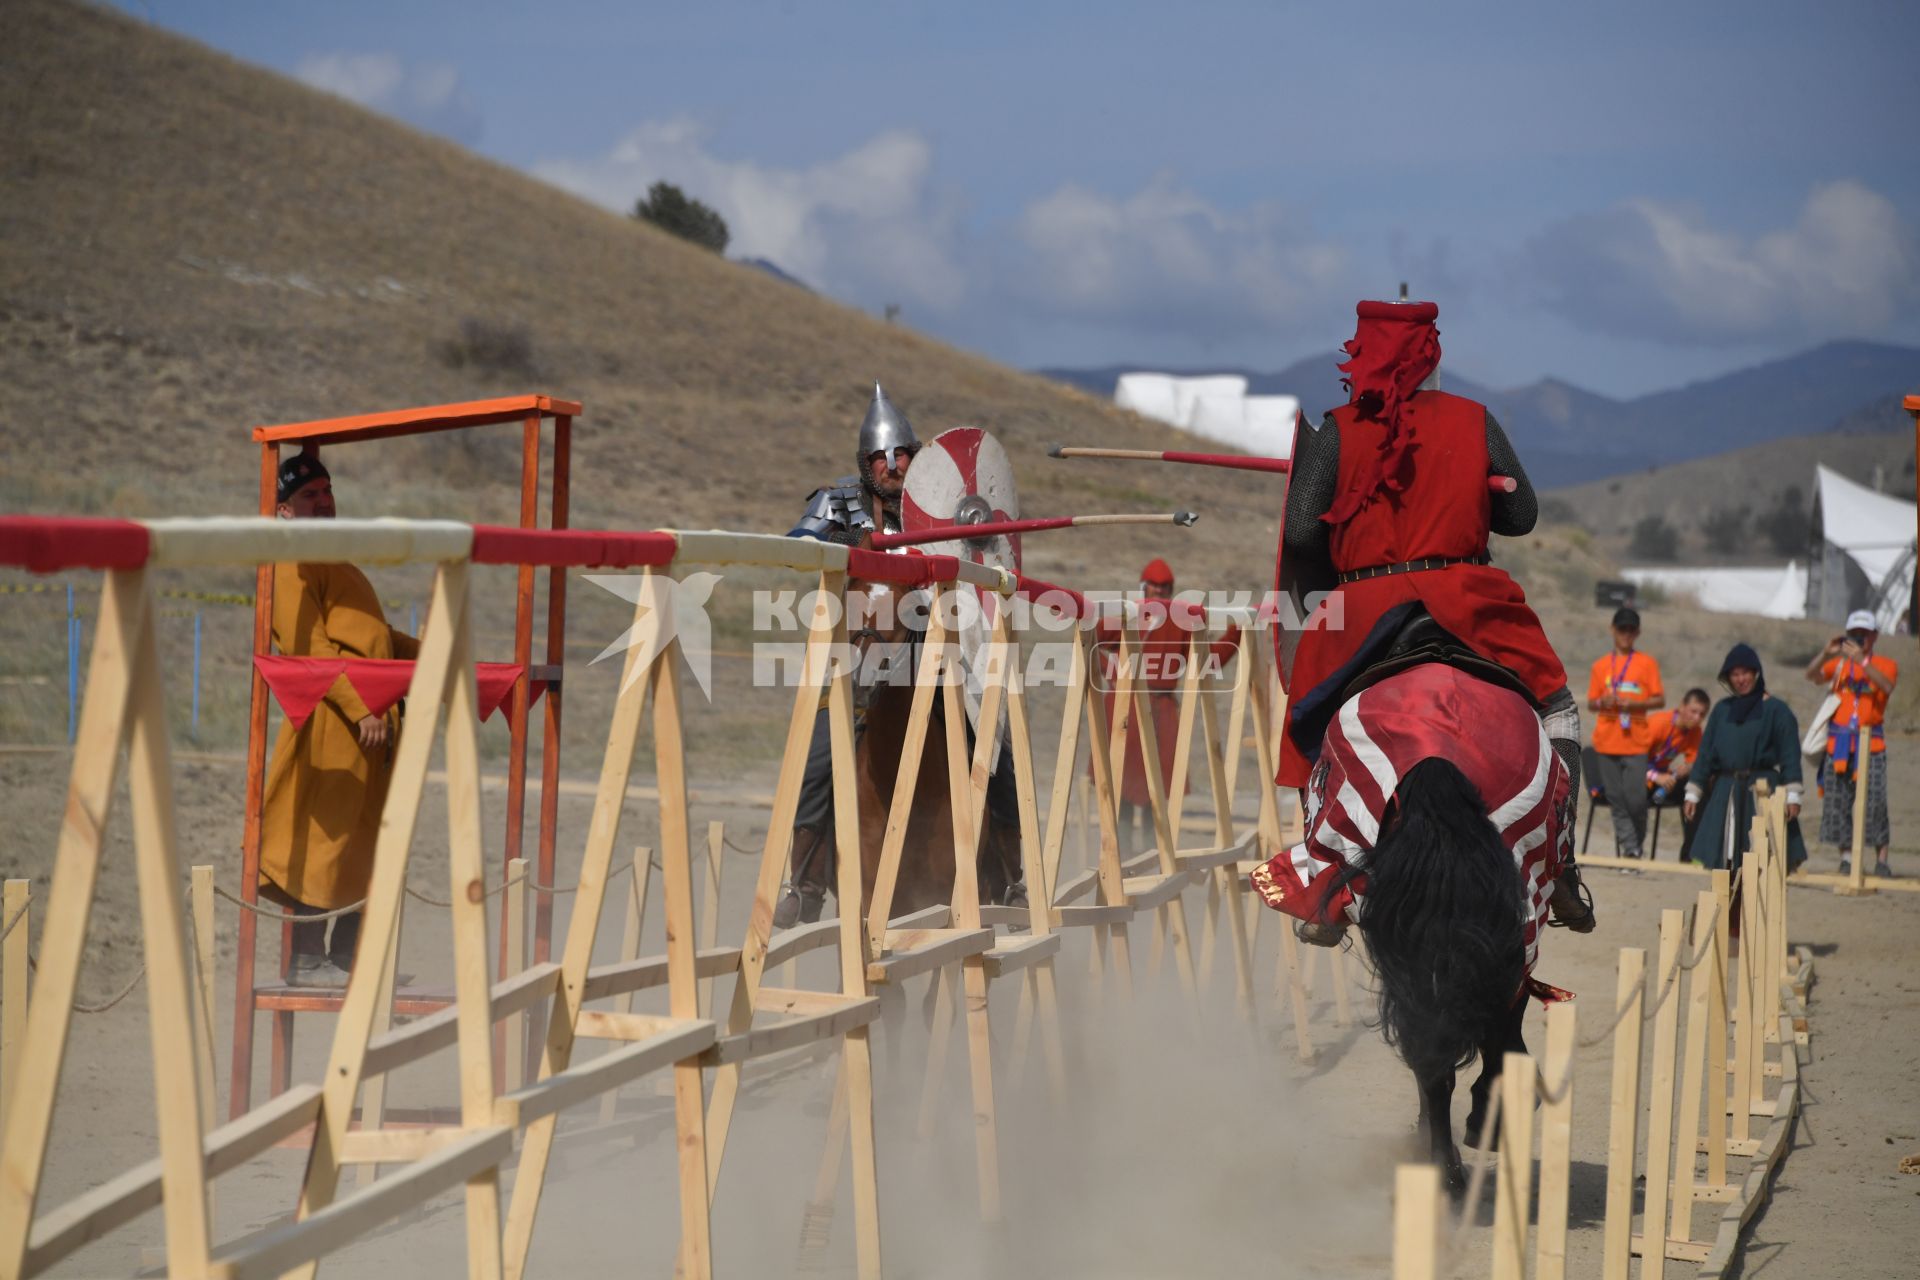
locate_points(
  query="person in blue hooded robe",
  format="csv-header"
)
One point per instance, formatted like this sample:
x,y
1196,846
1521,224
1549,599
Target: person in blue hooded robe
x,y
1750,735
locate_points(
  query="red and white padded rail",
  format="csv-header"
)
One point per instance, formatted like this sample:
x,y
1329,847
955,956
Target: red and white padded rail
x,y
49,544
263,540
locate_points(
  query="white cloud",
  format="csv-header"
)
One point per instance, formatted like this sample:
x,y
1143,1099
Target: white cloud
x,y
867,225
429,94
1847,266
1165,255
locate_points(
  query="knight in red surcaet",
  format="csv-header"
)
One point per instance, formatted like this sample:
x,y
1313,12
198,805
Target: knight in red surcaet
x,y
1389,508
1160,647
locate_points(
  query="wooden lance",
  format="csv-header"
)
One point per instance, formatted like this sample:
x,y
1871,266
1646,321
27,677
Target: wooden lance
x,y
1231,461
999,528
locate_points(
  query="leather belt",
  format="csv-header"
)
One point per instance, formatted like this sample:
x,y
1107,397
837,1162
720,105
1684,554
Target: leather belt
x,y
1411,566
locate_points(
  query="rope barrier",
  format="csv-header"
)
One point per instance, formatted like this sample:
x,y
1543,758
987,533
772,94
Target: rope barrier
x,y
287,917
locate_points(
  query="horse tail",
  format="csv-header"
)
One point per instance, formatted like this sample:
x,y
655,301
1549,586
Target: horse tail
x,y
1444,920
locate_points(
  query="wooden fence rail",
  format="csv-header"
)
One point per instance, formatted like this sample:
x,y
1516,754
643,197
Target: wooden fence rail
x,y
502,1104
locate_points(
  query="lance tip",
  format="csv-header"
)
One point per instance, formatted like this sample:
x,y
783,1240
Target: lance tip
x,y
1186,518
1054,451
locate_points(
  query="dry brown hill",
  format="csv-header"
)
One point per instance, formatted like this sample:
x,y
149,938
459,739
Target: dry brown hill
x,y
190,246
1757,478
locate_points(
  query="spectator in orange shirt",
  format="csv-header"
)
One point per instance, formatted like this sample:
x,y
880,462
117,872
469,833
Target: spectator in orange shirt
x,y
1864,680
1675,736
1623,687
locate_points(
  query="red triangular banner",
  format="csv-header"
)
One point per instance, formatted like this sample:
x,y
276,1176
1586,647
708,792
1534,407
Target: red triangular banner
x,y
299,684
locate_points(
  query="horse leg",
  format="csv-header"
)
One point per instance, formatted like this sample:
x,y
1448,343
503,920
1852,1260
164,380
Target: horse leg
x,y
1504,1038
1436,1127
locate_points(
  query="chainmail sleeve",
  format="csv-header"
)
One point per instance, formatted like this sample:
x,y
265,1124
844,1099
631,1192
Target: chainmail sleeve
x,y
1514,514
1311,483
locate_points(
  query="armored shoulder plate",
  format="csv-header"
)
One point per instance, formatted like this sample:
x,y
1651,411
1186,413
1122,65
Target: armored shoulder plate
x,y
836,513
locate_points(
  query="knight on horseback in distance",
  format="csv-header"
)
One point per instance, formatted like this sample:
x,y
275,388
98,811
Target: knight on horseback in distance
x,y
1388,504
850,511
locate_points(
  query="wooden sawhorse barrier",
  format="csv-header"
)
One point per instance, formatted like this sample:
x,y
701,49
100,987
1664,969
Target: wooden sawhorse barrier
x,y
1692,1094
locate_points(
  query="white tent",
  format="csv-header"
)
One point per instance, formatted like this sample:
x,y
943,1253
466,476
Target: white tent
x,y
1270,424
1775,591
1863,551
1218,416
1148,394
1188,391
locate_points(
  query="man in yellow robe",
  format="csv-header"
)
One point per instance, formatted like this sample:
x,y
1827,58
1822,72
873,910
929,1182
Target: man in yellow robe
x,y
327,783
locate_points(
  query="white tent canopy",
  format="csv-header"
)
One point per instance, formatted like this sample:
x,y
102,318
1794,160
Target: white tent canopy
x,y
1873,531
1773,591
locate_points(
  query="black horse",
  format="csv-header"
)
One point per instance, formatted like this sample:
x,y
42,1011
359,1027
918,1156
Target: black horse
x,y
1444,920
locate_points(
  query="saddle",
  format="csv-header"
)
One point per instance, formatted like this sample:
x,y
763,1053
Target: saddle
x,y
1419,640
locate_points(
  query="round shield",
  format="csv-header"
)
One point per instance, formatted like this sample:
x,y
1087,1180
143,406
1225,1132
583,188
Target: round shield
x,y
963,476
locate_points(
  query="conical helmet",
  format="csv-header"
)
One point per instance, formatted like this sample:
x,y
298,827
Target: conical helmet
x,y
884,430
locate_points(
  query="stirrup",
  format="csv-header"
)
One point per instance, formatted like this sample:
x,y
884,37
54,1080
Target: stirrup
x,y
786,912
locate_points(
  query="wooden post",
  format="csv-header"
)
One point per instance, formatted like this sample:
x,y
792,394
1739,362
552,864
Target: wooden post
x,y
1418,1218
1663,989
536,1143
515,961
1744,1066
1271,841
1623,1129
443,672
636,914
13,985
104,718
201,914
1694,1061
1717,1042
856,1052
683,993
473,982
1556,1143
1755,970
710,907
966,915
1513,1180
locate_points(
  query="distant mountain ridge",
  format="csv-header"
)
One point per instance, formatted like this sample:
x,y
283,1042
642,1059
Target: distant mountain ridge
x,y
1568,434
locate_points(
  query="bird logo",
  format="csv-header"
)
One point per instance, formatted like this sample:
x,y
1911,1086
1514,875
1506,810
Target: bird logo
x,y
665,609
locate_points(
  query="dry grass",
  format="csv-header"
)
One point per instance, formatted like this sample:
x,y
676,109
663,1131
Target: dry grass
x,y
189,246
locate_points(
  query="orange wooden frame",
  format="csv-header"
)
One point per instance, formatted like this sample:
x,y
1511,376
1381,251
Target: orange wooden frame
x,y
530,411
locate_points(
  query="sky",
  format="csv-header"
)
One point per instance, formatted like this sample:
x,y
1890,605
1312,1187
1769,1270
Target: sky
x,y
1624,195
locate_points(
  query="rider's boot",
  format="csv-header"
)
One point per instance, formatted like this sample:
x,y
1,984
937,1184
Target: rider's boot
x,y
804,896
1571,905
1315,934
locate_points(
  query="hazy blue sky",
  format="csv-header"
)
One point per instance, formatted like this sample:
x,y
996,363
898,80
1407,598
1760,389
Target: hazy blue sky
x,y
1624,195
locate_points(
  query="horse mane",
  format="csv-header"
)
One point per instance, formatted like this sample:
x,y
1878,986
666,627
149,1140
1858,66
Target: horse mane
x,y
1444,920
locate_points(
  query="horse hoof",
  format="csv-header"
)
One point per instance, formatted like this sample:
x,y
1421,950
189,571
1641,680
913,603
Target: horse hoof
x,y
1455,1176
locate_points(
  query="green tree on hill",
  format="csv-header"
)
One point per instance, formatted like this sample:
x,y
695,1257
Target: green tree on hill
x,y
1654,539
1788,526
1725,529
673,210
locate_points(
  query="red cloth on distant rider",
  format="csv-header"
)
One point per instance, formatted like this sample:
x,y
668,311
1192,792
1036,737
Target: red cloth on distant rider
x,y
1394,349
1429,711
1444,510
1160,649
299,684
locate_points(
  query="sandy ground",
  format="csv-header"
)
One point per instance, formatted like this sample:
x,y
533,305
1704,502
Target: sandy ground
x,y
1191,1143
